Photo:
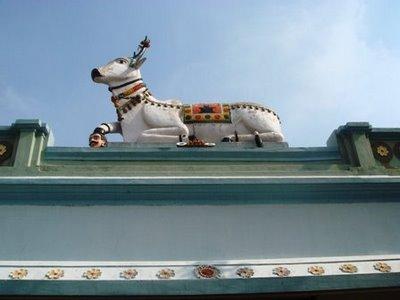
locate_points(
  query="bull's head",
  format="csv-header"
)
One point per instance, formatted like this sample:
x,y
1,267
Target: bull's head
x,y
122,70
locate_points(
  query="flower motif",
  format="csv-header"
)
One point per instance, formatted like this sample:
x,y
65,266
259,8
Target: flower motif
x,y
128,274
3,149
165,274
348,268
92,274
19,274
382,267
245,272
382,150
281,271
316,270
55,274
207,271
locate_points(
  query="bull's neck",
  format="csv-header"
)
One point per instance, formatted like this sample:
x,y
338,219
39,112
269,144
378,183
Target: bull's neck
x,y
130,88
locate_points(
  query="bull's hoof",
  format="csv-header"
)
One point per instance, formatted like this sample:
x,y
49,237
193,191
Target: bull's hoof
x,y
258,140
227,139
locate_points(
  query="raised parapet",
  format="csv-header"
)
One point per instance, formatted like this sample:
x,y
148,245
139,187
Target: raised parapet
x,y
366,148
22,143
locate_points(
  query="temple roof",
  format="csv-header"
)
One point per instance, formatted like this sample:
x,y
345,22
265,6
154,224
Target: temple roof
x,y
233,219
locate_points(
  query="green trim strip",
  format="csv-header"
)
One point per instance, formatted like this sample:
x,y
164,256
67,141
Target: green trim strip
x,y
183,191
198,287
193,154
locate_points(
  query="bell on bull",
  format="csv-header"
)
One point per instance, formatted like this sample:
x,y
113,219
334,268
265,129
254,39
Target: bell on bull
x,y
144,119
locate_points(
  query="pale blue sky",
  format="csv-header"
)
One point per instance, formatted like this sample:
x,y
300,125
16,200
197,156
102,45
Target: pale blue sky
x,y
319,64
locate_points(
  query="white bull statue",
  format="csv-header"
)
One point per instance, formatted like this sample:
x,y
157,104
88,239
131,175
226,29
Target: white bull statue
x,y
144,119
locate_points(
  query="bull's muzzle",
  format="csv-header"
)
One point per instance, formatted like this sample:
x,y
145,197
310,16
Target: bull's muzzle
x,y
95,73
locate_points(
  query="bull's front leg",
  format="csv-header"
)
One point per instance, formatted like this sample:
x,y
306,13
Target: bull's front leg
x,y
164,135
98,138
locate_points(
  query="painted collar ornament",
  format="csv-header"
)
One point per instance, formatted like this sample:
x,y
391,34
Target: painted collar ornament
x,y
19,274
348,268
382,267
281,271
245,272
128,274
166,274
92,274
55,274
382,152
207,272
316,270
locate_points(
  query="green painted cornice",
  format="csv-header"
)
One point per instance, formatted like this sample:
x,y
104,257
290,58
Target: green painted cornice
x,y
34,125
211,190
230,153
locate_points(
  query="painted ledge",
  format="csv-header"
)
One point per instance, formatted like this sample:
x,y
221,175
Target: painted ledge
x,y
32,278
230,152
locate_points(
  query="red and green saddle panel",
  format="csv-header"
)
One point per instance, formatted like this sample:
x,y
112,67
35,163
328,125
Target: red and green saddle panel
x,y
207,113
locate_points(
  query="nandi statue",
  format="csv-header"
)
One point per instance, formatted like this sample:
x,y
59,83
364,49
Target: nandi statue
x,y
144,119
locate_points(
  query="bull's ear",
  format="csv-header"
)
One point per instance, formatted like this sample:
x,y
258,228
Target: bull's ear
x,y
139,63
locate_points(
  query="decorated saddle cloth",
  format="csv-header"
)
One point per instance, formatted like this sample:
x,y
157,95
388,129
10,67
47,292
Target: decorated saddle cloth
x,y
207,113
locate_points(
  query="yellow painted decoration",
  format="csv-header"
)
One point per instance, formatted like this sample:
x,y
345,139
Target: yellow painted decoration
x,y
207,113
3,149
382,151
19,274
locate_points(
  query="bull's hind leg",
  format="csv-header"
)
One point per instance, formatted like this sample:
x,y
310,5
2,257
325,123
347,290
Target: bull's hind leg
x,y
164,135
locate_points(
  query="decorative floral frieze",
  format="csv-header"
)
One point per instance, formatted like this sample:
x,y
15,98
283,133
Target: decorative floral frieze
x,y
316,270
207,272
348,268
18,274
382,267
55,274
92,274
166,274
281,271
245,272
128,274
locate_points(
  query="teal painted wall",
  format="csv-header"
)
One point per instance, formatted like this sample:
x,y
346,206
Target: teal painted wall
x,y
199,233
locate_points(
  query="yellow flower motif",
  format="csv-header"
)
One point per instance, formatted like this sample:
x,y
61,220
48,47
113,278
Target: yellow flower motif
x,y
92,274
245,272
348,268
128,274
3,149
382,150
316,270
19,274
382,267
281,271
165,274
55,274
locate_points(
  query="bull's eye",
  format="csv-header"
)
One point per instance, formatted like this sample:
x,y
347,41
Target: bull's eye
x,y
121,61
